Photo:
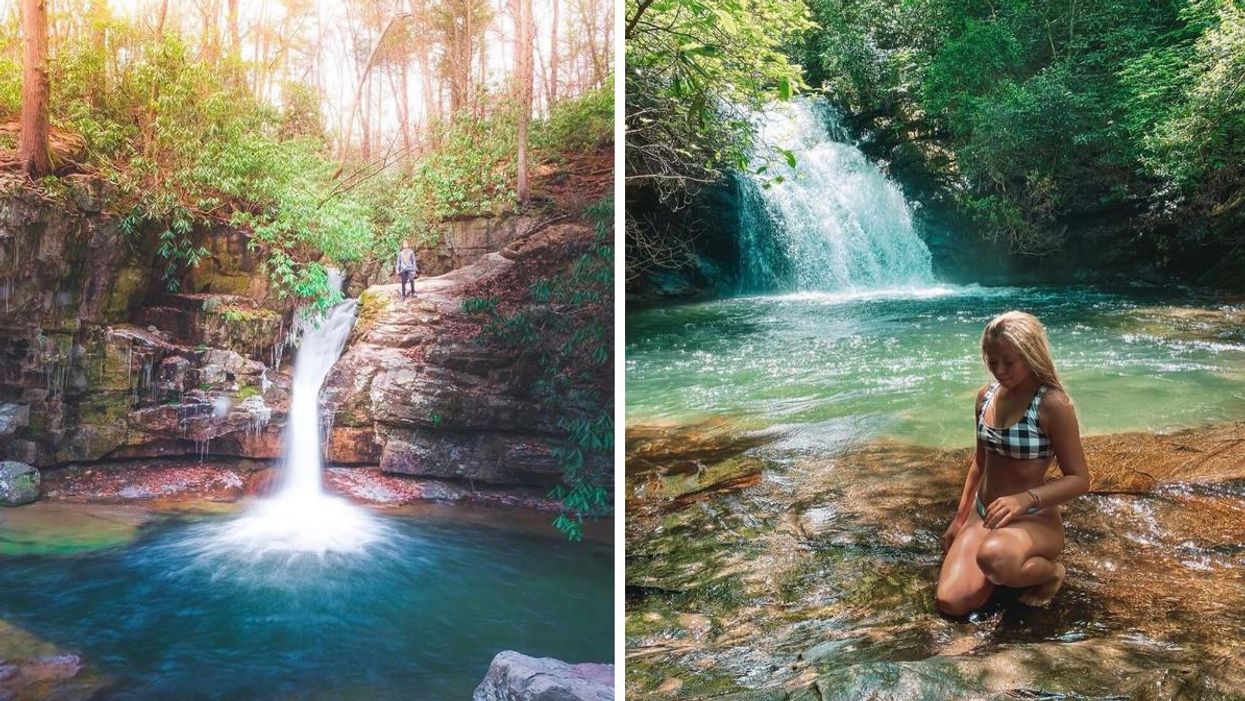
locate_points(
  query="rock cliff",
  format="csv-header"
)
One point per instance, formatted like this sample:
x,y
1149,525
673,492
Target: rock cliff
x,y
101,367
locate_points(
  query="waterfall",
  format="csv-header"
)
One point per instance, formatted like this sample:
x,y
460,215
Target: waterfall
x,y
834,222
321,346
300,517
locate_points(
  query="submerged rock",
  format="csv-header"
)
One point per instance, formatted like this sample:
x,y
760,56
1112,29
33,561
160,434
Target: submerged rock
x,y
516,677
31,668
19,483
54,528
816,581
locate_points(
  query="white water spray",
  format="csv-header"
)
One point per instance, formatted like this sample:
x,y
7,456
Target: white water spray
x,y
835,222
300,517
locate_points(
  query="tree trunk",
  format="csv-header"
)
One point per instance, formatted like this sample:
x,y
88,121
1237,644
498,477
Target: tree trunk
x,y
99,20
164,13
482,75
404,110
363,77
552,91
432,102
235,43
366,120
211,32
598,70
523,68
32,148
544,76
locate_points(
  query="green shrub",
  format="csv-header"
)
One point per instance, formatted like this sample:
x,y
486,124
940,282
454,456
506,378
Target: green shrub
x,y
579,124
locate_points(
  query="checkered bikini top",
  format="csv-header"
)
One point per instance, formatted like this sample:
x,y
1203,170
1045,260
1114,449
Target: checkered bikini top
x,y
1023,440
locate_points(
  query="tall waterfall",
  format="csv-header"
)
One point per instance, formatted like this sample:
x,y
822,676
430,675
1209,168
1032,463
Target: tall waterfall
x,y
834,223
321,346
300,517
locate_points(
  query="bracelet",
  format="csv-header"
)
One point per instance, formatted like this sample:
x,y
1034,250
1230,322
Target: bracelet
x,y
1037,502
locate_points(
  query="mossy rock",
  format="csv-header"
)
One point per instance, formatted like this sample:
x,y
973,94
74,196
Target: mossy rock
x,y
19,483
127,288
51,528
371,307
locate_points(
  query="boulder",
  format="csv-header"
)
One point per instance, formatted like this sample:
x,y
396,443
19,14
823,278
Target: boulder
x,y
516,677
19,483
13,418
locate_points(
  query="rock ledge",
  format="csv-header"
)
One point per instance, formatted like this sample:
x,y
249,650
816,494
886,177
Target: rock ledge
x,y
516,677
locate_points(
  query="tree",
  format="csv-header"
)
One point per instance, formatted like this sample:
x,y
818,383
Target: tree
x,y
552,91
523,72
32,146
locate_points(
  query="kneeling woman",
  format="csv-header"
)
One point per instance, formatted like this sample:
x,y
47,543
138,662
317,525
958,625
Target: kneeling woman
x,y
1008,529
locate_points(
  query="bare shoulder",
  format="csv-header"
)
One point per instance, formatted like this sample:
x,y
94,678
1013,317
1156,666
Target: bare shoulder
x,y
1057,406
981,396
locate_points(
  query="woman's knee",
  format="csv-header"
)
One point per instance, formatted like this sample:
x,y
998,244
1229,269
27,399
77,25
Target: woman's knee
x,y
998,559
959,602
953,606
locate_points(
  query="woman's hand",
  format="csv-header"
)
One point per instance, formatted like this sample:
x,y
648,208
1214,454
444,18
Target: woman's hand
x,y
952,531
1001,511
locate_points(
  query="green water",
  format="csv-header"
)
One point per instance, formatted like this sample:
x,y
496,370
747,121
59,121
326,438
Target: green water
x,y
419,616
830,369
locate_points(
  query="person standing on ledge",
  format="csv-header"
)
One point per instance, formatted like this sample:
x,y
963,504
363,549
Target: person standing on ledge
x,y
407,268
1008,530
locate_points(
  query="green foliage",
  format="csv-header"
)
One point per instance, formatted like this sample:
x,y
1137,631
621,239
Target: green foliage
x,y
693,68
578,124
476,305
567,331
10,87
1054,109
1199,144
300,117
473,170
189,150
581,491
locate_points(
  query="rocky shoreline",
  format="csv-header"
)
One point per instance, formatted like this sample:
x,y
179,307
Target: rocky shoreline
x,y
103,371
750,577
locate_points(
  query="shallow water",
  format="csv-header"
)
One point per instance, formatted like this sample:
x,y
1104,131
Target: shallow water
x,y
828,369
419,615
793,461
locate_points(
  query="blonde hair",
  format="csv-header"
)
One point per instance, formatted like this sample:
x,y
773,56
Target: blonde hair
x,y
1028,336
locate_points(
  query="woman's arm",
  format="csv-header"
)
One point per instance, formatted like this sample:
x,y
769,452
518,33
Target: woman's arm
x,y
975,466
1058,420
971,482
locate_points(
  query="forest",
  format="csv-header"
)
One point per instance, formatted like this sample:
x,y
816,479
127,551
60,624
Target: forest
x,y
334,128
1035,120
326,134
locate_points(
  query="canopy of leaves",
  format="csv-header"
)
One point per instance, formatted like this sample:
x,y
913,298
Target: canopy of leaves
x,y
1055,110
189,146
693,67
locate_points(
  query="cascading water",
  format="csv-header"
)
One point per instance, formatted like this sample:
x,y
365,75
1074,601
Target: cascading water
x,y
300,517
321,346
834,223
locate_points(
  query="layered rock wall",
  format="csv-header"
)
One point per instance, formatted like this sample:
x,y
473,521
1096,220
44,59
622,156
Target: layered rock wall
x,y
101,364
416,394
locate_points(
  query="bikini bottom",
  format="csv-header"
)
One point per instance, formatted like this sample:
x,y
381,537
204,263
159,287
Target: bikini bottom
x,y
981,508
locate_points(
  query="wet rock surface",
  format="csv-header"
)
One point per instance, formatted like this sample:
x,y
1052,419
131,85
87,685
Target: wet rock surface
x,y
516,677
98,361
19,483
415,394
99,364
815,579
148,481
34,670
